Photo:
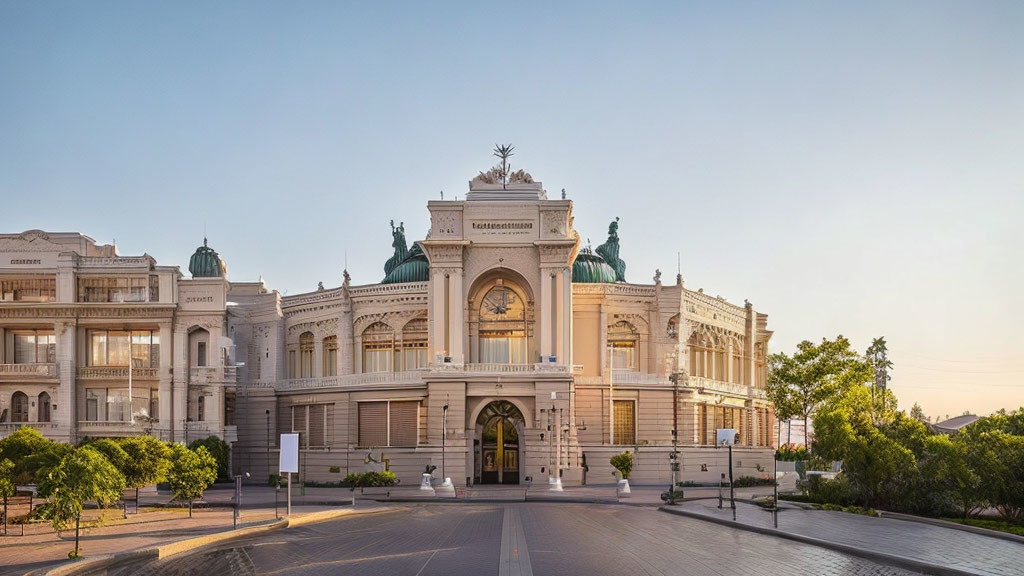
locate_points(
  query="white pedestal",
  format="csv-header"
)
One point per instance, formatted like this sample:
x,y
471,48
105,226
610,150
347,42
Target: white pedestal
x,y
622,490
555,485
425,484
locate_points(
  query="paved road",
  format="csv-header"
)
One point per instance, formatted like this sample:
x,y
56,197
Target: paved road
x,y
515,540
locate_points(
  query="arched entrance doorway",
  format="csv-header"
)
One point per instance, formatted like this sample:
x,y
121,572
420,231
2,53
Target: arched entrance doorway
x,y
497,458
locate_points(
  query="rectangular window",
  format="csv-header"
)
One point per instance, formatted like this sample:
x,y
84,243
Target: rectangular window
x,y
28,290
117,405
310,421
373,424
201,354
625,421
201,408
34,346
624,355
104,289
330,359
377,357
229,407
388,423
114,348
402,423
154,405
95,403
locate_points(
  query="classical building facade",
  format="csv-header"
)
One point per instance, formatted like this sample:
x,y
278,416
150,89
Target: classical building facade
x,y
497,349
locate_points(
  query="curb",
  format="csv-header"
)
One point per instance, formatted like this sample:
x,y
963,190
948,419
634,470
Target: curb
x,y
191,544
879,557
953,525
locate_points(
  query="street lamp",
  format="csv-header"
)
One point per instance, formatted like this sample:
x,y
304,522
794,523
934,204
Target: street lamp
x,y
238,500
268,446
444,438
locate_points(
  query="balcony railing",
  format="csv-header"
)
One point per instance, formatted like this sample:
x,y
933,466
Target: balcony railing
x,y
29,370
202,374
9,427
501,368
99,427
375,379
115,373
693,382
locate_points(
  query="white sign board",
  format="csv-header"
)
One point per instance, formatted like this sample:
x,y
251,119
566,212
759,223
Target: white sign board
x,y
726,436
289,453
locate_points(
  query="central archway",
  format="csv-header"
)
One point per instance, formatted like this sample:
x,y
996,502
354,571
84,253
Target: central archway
x,y
499,425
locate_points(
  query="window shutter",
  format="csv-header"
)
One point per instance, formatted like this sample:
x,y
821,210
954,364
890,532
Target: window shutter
x,y
316,425
373,424
404,416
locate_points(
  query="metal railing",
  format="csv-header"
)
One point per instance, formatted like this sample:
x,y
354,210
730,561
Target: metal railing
x,y
114,372
379,379
29,370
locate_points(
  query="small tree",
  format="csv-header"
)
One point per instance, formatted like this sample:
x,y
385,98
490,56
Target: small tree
x,y
112,451
191,473
221,452
623,463
6,485
148,460
81,476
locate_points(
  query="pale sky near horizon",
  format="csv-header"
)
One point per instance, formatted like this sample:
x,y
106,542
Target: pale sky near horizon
x,y
850,169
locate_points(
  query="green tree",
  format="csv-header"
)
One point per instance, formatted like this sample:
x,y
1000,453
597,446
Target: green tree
x,y
221,452
112,451
814,375
948,481
148,460
917,413
191,472
32,454
7,485
83,475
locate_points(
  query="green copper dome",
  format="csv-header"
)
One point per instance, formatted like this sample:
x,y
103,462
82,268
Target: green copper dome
x,y
206,263
589,268
413,268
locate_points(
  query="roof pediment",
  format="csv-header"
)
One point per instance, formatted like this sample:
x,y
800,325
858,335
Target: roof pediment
x,y
30,241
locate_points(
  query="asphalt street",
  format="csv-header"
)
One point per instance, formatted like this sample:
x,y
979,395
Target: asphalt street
x,y
516,540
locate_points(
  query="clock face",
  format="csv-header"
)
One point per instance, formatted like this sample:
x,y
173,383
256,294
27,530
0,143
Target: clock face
x,y
501,304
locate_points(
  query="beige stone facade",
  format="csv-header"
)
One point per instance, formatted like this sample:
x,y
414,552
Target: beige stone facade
x,y
479,354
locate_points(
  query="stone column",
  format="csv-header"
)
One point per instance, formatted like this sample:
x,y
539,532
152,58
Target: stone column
x,y
166,382
179,383
543,313
66,416
456,313
565,317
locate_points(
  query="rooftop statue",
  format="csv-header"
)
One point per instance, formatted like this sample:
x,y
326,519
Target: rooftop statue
x,y
610,251
400,246
502,173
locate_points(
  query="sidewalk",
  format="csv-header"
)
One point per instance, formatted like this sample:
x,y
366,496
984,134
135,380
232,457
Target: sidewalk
x,y
150,527
940,547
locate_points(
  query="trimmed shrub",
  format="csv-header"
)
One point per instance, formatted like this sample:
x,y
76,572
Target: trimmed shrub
x,y
623,463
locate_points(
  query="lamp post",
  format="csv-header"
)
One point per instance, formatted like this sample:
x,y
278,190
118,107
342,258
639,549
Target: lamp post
x,y
444,438
268,445
238,500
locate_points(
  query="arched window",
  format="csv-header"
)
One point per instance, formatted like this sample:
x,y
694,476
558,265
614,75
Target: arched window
x,y
502,327
719,359
737,361
44,407
413,355
378,344
699,352
306,355
330,352
19,407
624,342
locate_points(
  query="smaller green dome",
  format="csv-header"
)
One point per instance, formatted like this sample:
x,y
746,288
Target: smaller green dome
x,y
589,268
206,263
413,268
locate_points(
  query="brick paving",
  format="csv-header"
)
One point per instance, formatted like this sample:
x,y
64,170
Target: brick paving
x,y
428,539
927,543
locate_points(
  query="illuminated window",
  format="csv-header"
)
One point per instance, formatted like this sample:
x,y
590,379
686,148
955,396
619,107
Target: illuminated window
x,y
623,340
378,347
625,422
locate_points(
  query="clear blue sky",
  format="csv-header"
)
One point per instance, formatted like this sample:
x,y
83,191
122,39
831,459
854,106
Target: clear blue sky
x,y
853,169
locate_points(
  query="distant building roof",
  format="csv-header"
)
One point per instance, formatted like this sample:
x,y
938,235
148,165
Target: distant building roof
x,y
954,424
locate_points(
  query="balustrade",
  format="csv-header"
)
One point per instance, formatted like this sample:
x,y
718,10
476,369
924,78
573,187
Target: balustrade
x,y
29,370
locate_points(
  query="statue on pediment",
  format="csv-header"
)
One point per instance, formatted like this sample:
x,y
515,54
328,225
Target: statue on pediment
x,y
399,244
610,251
502,173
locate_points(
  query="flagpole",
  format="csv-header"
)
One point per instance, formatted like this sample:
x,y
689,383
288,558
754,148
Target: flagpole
x,y
131,412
